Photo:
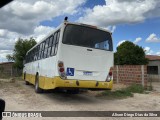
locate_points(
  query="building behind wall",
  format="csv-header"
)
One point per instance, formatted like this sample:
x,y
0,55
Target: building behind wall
x,y
154,64
153,68
7,70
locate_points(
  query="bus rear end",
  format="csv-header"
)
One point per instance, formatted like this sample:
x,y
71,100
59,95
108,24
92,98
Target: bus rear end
x,y
85,58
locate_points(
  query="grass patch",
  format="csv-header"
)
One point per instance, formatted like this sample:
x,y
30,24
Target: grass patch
x,y
149,88
117,94
134,88
18,78
123,93
2,76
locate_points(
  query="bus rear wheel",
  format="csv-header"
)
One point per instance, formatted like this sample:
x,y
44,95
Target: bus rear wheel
x,y
37,88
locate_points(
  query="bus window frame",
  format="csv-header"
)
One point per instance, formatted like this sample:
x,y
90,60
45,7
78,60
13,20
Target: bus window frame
x,y
55,43
38,52
111,41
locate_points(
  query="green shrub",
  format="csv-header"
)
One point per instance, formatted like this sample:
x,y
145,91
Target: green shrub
x,y
123,93
117,94
135,88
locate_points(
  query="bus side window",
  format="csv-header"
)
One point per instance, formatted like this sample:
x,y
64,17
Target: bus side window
x,y
40,49
26,58
57,39
42,52
34,55
49,46
31,56
46,48
56,43
37,52
53,44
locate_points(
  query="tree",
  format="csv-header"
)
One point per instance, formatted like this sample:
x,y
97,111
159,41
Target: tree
x,y
20,49
130,54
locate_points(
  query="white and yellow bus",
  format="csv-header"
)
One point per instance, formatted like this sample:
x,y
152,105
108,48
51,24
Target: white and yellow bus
x,y
74,56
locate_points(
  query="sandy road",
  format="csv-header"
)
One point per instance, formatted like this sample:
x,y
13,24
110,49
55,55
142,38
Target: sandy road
x,y
20,97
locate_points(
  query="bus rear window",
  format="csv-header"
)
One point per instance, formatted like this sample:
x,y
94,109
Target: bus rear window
x,y
87,37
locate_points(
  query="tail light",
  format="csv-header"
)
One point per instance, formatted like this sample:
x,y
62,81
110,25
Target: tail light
x,y
61,70
110,73
109,76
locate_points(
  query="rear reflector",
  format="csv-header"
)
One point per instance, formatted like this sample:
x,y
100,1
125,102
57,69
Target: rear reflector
x,y
110,73
60,64
109,76
61,70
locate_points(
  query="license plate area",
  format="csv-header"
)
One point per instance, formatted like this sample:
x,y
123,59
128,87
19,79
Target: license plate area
x,y
87,73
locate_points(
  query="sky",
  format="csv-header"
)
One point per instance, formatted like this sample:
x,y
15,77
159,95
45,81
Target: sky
x,y
137,21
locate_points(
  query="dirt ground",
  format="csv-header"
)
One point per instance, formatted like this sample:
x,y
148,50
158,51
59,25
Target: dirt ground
x,y
20,97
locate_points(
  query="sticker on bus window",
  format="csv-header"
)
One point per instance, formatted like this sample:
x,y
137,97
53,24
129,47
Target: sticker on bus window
x,y
70,71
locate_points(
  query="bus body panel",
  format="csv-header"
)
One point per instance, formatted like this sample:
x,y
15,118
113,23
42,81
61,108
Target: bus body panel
x,y
46,68
96,63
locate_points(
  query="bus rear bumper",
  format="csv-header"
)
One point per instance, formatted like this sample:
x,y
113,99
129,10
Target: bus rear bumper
x,y
57,82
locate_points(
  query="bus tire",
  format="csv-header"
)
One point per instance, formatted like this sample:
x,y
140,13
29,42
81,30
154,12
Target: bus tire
x,y
26,82
37,88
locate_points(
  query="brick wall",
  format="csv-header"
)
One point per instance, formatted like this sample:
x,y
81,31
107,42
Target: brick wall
x,y
129,74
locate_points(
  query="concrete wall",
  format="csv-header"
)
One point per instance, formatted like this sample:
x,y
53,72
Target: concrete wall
x,y
155,63
129,74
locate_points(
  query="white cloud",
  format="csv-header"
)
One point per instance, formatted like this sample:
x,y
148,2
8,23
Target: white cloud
x,y
8,40
148,51
2,32
121,11
158,53
21,18
111,28
120,42
137,40
153,38
41,31
3,54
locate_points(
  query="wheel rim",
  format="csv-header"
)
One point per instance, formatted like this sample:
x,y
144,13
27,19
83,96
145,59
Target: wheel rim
x,y
36,85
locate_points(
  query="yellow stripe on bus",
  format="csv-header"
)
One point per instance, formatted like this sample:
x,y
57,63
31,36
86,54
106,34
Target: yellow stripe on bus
x,y
57,82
